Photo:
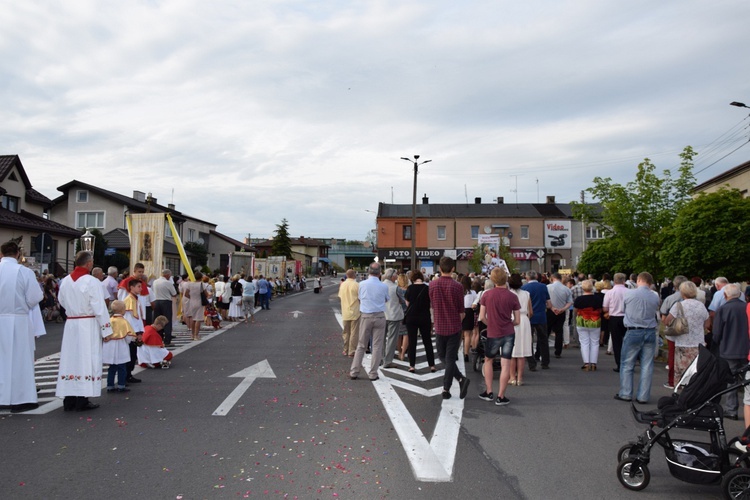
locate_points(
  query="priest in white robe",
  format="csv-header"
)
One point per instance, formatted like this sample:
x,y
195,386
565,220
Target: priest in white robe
x,y
19,294
87,323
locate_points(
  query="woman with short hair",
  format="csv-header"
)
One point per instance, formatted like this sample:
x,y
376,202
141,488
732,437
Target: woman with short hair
x,y
686,346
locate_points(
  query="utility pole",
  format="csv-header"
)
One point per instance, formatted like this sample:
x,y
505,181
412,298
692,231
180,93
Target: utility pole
x,y
416,163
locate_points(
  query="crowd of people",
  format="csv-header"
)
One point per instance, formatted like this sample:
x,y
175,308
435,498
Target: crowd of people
x,y
121,320
515,316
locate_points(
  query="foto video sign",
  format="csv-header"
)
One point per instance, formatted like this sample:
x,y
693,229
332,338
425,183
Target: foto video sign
x,y
557,234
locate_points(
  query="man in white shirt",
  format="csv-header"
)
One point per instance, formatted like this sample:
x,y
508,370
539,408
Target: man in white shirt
x,y
110,285
164,293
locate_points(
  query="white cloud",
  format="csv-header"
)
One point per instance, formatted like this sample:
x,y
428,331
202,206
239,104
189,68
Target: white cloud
x,y
256,111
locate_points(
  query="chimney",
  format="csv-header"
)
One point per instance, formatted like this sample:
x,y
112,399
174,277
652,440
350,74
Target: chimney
x,y
170,206
425,200
139,196
500,200
550,200
477,200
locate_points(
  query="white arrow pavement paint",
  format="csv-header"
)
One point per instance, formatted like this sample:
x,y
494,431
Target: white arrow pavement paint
x,y
249,374
431,461
297,313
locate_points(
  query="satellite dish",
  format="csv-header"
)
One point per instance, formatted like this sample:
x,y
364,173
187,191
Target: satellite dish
x,y
506,241
200,241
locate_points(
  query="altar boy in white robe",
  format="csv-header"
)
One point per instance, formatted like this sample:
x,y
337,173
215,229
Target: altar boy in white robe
x,y
87,323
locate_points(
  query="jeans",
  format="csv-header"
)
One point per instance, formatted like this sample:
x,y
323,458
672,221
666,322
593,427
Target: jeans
x,y
121,371
264,301
447,348
637,344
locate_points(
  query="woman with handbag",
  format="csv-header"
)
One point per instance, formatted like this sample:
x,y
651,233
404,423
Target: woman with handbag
x,y
418,318
193,309
686,345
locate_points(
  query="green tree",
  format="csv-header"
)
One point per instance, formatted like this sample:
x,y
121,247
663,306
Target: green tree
x,y
604,256
282,243
633,215
199,253
709,237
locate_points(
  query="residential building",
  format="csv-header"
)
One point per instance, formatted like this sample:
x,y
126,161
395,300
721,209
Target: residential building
x,y
85,206
24,217
736,178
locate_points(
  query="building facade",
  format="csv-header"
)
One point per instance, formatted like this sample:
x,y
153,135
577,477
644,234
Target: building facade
x,y
24,218
540,236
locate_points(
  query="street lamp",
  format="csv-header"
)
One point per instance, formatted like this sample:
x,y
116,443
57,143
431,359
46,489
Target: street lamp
x,y
739,104
87,241
417,163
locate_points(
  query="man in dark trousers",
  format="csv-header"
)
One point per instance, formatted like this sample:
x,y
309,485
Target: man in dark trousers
x,y
540,303
447,299
730,334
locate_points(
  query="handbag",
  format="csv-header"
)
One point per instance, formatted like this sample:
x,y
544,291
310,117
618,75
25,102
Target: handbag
x,y
679,325
204,299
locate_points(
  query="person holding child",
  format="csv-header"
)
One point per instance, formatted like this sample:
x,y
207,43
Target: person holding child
x,y
115,350
153,354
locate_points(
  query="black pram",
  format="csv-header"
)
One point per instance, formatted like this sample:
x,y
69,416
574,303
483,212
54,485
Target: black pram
x,y
698,408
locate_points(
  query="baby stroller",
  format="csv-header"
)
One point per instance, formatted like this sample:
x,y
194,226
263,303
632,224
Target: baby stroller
x,y
736,482
479,354
697,407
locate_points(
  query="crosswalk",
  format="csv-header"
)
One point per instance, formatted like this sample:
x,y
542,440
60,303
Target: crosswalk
x,y
46,369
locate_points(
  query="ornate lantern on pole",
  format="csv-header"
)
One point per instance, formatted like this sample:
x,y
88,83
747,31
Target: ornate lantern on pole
x,y
87,242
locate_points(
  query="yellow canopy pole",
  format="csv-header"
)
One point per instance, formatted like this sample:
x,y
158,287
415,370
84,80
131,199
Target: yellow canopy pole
x,y
180,249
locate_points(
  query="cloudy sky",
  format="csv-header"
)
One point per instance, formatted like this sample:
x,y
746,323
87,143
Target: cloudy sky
x,y
250,111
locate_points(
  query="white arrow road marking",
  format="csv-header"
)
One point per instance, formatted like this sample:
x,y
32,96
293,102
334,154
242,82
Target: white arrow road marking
x,y
297,313
431,461
249,374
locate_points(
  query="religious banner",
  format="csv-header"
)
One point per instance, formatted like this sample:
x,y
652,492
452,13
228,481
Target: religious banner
x,y
147,242
490,245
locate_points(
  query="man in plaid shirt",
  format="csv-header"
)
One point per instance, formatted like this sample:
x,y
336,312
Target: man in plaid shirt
x,y
447,299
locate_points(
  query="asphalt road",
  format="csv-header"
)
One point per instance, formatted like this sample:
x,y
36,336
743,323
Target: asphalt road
x,y
311,432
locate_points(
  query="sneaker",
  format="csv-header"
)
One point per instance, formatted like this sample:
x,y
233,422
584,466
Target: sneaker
x,y
446,395
501,401
487,396
666,385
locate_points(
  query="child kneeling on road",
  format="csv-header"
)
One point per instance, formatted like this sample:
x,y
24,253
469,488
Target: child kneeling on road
x,y
115,350
153,354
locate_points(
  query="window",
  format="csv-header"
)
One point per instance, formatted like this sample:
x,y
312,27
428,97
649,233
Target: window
x,y
594,233
89,220
10,202
474,232
82,196
441,232
524,232
406,232
191,234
